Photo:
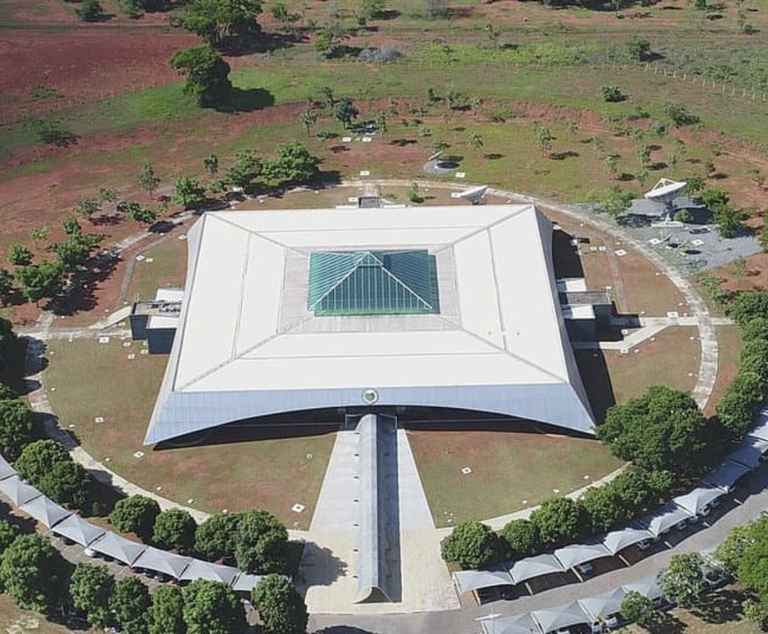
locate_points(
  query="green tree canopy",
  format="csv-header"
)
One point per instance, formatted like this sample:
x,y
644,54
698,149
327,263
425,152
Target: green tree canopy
x,y
8,534
18,427
130,606
684,580
246,169
6,285
166,614
345,111
216,537
206,72
34,574
135,514
280,607
732,548
19,255
175,528
604,507
74,253
67,483
522,538
188,192
559,520
147,179
262,543
755,328
218,20
41,281
91,588
472,545
747,305
211,607
39,457
637,607
294,164
663,429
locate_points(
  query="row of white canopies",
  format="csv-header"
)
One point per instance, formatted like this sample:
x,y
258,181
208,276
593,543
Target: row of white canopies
x,y
72,527
679,511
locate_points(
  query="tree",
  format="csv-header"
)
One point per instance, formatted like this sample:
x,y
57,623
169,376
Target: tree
x,y
280,12
6,284
87,207
148,180
39,457
175,528
207,74
749,305
663,429
34,574
751,563
39,235
219,20
67,483
91,589
18,427
211,607
308,118
216,537
19,255
612,164
135,514
680,115
188,192
280,607
522,538
74,253
639,49
211,164
345,111
755,328
471,545
294,164
130,605
754,358
613,94
166,614
730,222
684,580
637,607
138,212
90,11
603,506
71,226
246,169
558,520
262,543
475,141
731,550
543,138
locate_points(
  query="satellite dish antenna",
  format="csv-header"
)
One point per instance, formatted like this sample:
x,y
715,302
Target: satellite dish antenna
x,y
474,194
665,192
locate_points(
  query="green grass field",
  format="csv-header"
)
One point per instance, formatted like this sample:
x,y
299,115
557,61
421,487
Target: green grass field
x,y
93,379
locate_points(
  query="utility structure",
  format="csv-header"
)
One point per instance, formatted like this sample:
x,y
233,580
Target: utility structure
x,y
665,192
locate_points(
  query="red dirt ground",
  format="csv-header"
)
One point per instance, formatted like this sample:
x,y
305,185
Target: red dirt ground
x,y
83,64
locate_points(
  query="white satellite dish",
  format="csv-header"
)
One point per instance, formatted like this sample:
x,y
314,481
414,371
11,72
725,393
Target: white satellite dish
x,y
665,192
474,194
435,156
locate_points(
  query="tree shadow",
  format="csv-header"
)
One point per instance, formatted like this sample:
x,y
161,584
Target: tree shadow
x,y
259,43
403,142
246,100
561,156
666,624
723,606
319,566
493,156
80,295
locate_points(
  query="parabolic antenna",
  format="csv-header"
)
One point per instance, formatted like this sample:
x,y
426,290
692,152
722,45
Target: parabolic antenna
x,y
665,192
474,194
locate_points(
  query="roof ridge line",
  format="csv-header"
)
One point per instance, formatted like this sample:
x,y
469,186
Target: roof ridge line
x,y
479,230
213,214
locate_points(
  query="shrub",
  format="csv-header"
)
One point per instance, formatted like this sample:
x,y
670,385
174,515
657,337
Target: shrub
x,y
680,115
135,514
613,94
559,521
90,11
522,538
472,545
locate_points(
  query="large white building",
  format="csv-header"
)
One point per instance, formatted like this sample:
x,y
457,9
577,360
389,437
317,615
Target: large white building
x,y
436,307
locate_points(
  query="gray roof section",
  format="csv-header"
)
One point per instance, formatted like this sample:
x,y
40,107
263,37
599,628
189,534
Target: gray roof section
x,y
750,450
469,580
534,567
664,519
18,491
246,582
761,425
76,529
210,572
616,541
572,556
45,511
6,470
118,548
648,587
727,475
161,561
561,617
699,499
603,605
519,624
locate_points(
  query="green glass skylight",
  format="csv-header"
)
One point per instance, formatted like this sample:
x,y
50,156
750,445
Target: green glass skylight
x,y
372,283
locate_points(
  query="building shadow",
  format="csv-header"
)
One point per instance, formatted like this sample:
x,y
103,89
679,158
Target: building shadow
x,y
597,381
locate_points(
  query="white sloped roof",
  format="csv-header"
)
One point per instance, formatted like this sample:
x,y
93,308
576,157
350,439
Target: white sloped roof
x,y
726,475
246,582
603,605
18,491
664,519
648,587
571,556
468,580
697,500
161,561
6,470
519,624
561,617
531,567
78,530
118,548
750,451
621,539
248,346
45,511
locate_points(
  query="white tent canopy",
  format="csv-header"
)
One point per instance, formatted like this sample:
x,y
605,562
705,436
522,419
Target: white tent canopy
x,y
246,582
665,518
118,548
699,499
561,617
519,624
6,470
603,605
45,511
210,572
648,587
616,541
161,561
76,529
572,556
18,491
726,476
469,580
534,567
750,451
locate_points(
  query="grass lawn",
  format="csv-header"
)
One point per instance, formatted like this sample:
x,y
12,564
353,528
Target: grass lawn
x,y
93,379
17,621
510,470
728,350
166,270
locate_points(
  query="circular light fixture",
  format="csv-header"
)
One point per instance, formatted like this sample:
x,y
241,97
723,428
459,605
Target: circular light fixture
x,y
370,397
